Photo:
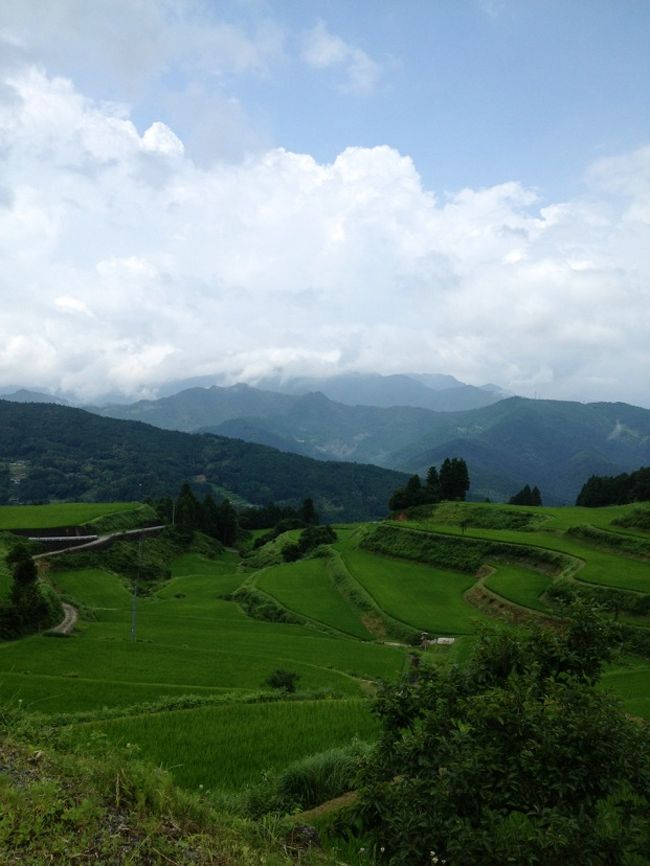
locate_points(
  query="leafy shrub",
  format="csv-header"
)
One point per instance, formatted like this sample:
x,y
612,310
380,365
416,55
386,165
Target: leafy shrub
x,y
516,758
637,518
310,538
612,541
308,782
285,681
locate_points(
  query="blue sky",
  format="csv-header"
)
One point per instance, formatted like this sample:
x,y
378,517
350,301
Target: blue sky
x,y
244,187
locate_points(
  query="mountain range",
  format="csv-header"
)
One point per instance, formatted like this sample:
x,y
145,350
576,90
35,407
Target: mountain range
x,y
553,444
511,441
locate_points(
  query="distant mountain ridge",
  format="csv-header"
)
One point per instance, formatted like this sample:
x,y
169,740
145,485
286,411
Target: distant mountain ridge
x,y
436,391
26,395
555,445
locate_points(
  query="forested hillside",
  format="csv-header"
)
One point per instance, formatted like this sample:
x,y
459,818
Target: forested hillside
x,y
55,452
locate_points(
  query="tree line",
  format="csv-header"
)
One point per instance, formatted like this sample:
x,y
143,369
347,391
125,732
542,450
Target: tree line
x,y
451,482
616,489
526,496
223,522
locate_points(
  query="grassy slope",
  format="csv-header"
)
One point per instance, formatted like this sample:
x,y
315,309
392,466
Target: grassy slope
x,y
523,586
59,514
305,587
71,809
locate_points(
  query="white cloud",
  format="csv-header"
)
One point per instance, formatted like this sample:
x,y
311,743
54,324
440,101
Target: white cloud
x,y
136,40
324,50
125,264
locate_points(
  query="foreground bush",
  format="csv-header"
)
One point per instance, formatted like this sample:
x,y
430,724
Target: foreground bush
x,y
309,782
514,759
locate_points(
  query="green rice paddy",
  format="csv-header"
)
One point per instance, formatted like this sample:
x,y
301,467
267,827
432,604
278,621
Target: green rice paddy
x,y
523,586
191,639
426,598
227,746
306,588
59,514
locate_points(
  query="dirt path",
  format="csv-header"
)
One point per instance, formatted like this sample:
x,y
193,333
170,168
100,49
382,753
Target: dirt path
x,y
69,620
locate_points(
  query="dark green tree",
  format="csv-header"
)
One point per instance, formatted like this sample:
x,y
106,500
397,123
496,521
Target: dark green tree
x,y
228,523
515,758
308,513
526,496
286,681
210,517
187,511
25,573
454,479
433,485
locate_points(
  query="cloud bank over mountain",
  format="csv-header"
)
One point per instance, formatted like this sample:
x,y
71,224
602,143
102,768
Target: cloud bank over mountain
x,y
127,261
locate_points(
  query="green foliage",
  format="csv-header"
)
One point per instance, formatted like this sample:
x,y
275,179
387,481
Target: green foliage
x,y
266,516
615,490
454,478
307,783
307,589
626,544
310,538
515,758
129,518
148,560
62,514
364,602
231,745
637,518
259,605
522,586
73,809
30,606
526,496
419,597
447,551
285,681
565,592
415,493
470,515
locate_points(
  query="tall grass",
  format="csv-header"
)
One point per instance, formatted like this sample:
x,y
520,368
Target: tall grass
x,y
229,746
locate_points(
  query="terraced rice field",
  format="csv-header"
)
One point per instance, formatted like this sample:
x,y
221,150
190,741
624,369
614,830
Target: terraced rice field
x,y
191,639
228,746
522,586
58,514
306,588
426,598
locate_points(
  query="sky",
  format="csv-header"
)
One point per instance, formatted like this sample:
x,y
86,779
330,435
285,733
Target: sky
x,y
238,188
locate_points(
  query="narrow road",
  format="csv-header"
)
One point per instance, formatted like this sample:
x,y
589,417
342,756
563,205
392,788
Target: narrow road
x,y
69,620
99,541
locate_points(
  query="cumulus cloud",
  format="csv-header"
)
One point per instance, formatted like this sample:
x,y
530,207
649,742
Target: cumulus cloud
x,y
126,264
322,49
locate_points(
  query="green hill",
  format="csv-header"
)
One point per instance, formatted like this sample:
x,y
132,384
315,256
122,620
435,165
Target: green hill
x,y
66,453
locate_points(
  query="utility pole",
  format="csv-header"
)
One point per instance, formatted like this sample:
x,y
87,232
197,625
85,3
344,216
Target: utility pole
x,y
134,598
